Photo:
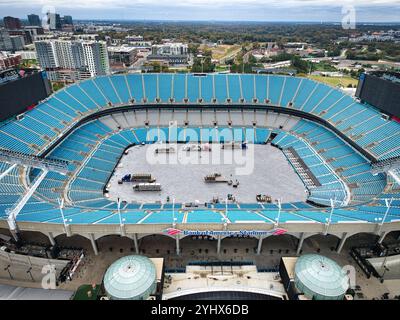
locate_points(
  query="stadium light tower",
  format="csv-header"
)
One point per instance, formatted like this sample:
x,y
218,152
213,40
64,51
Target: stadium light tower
x,y
121,221
3,174
225,221
119,211
61,206
64,220
44,164
388,204
329,220
173,210
279,201
13,211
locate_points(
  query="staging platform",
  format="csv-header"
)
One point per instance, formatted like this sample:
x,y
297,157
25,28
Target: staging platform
x,y
259,169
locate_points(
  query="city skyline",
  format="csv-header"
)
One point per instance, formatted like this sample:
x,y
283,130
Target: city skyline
x,y
205,10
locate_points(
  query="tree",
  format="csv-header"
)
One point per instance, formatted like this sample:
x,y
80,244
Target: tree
x,y
203,64
301,65
252,59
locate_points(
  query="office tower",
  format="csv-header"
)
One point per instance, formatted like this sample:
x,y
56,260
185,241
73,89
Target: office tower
x,y
34,20
68,20
17,42
11,23
53,21
5,40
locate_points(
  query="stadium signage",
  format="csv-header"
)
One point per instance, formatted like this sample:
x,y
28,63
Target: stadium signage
x,y
8,75
225,233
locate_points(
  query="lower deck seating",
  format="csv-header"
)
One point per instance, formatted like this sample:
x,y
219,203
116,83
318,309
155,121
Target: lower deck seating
x,y
94,149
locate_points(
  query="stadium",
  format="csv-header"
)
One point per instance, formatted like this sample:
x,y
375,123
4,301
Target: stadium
x,y
62,159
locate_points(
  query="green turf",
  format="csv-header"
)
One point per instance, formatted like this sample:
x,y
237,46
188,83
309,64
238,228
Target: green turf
x,y
82,292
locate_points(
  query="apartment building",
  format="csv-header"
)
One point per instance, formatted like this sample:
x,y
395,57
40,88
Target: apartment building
x,y
71,60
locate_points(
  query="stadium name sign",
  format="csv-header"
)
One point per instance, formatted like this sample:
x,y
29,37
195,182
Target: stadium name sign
x,y
226,233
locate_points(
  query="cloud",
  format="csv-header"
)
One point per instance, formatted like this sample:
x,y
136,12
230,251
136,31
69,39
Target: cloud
x,y
265,10
121,4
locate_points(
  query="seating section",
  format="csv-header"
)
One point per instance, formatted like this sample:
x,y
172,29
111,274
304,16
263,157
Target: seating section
x,y
331,186
94,148
361,123
349,165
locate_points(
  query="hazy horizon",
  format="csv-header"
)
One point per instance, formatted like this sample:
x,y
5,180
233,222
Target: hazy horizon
x,y
330,11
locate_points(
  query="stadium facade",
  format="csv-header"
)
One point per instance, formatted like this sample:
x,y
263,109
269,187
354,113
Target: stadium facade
x,y
349,151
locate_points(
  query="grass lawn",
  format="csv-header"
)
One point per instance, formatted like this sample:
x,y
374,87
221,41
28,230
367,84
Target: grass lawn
x,y
221,68
82,292
57,86
334,81
222,51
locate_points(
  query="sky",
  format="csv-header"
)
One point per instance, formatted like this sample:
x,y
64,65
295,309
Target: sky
x,y
218,10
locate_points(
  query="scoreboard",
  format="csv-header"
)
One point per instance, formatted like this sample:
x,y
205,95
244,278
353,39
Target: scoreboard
x,y
19,91
381,90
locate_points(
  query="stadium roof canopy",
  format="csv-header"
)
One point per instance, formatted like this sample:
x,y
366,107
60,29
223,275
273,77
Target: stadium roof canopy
x,y
130,278
320,278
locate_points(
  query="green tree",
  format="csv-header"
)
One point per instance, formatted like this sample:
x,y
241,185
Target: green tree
x,y
203,64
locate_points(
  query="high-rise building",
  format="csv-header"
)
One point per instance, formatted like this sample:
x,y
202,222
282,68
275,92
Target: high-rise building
x,y
46,54
22,32
96,57
34,20
70,54
72,60
17,42
34,31
53,21
11,23
67,20
5,40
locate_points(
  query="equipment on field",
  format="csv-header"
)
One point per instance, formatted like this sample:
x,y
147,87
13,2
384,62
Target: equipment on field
x,y
147,187
142,177
215,177
165,150
264,198
234,145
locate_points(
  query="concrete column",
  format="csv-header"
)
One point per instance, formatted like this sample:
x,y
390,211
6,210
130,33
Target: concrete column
x,y
135,241
260,241
123,233
68,230
341,243
178,250
51,238
382,237
300,244
219,244
94,244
